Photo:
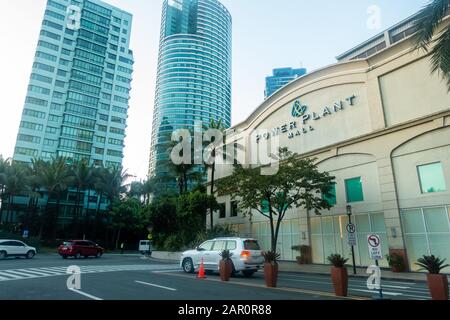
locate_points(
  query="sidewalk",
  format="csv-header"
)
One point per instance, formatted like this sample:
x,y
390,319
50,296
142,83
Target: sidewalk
x,y
287,266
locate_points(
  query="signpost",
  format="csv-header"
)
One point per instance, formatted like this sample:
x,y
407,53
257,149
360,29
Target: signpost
x,y
25,233
375,253
351,234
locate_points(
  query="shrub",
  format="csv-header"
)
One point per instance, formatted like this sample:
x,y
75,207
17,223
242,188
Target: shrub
x,y
226,255
337,260
432,264
173,243
395,260
271,256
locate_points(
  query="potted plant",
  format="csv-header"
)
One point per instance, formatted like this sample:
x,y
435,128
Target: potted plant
x,y
396,262
339,274
271,268
437,283
225,265
304,257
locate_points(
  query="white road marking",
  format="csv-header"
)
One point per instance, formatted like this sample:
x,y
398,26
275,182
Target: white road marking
x,y
32,273
155,285
86,294
167,271
376,292
5,273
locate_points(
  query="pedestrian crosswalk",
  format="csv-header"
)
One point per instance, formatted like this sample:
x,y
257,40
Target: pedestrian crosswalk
x,y
30,273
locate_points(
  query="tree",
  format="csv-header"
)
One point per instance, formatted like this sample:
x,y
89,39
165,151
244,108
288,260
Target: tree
x,y
54,177
298,183
111,183
127,215
428,21
215,125
4,164
81,176
192,209
16,182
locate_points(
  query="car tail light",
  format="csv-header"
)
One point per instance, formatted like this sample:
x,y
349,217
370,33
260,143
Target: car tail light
x,y
245,254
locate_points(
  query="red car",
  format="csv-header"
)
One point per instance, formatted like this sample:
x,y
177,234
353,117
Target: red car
x,y
78,248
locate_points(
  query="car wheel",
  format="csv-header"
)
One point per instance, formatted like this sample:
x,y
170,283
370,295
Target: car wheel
x,y
98,255
188,265
64,257
77,256
233,271
30,254
248,273
2,255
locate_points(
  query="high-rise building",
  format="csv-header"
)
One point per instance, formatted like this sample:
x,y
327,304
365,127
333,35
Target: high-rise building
x,y
280,78
77,100
194,72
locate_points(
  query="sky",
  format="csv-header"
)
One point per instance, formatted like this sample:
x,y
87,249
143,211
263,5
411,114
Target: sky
x,y
267,34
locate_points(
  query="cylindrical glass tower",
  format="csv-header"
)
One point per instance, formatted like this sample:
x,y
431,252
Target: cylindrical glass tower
x,y
194,72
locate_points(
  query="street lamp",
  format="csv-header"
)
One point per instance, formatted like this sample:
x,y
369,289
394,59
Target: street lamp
x,y
349,214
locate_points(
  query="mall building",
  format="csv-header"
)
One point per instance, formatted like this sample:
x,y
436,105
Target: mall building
x,y
379,121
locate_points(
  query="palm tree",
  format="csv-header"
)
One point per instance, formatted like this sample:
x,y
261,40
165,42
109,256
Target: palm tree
x,y
35,187
112,183
54,176
16,183
4,164
82,176
182,172
428,21
215,125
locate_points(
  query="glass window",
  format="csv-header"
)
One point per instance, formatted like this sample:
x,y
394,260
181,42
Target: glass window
x,y
436,219
234,209
431,177
353,189
413,221
222,213
231,245
219,245
251,245
331,198
206,245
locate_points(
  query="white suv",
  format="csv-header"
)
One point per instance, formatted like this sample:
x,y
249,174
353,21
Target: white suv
x,y
15,248
247,255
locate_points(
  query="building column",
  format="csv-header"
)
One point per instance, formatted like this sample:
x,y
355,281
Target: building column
x,y
390,207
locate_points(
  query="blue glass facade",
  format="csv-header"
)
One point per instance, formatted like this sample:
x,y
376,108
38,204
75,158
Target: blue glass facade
x,y
77,99
194,72
280,78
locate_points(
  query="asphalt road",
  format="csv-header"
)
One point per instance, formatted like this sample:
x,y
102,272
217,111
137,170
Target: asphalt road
x,y
131,277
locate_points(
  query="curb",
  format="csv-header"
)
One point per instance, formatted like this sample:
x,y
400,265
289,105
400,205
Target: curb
x,y
355,276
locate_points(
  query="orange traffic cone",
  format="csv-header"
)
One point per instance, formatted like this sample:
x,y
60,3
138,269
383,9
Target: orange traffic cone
x,y
201,271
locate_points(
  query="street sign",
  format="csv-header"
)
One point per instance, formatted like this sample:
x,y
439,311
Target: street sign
x,y
374,243
351,228
351,234
25,234
149,237
351,238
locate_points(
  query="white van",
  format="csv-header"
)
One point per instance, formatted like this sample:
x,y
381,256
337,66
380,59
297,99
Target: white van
x,y
145,247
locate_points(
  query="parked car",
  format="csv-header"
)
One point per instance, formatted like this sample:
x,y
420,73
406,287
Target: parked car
x,y
16,248
145,247
78,248
247,255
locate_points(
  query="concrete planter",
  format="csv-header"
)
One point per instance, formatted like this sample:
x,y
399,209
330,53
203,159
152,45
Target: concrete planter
x,y
438,285
339,277
271,274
